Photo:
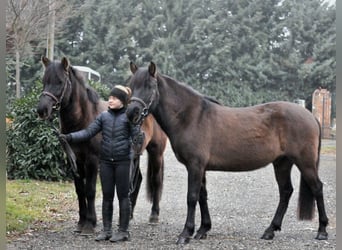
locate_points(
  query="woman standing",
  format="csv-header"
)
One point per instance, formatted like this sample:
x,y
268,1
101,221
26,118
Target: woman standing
x,y
115,159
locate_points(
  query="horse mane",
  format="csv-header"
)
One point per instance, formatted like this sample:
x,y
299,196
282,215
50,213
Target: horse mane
x,y
212,99
173,81
192,90
93,96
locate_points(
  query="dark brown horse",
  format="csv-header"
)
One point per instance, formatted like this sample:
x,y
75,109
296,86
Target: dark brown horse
x,y
65,91
207,136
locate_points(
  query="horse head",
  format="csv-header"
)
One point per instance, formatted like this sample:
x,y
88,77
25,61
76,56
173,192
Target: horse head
x,y
144,86
56,83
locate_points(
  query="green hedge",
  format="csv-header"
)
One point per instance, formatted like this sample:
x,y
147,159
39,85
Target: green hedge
x,y
33,151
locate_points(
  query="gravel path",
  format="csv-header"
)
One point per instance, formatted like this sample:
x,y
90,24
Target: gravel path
x,y
241,204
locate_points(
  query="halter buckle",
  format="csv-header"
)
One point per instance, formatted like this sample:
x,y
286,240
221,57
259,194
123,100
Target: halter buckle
x,y
144,112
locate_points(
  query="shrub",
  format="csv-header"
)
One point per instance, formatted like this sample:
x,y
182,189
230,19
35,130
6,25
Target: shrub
x,y
102,89
33,151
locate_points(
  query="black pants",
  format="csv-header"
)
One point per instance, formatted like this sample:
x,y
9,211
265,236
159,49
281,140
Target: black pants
x,y
114,175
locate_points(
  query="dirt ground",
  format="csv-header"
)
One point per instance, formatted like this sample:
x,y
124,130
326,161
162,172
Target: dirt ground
x,y
242,206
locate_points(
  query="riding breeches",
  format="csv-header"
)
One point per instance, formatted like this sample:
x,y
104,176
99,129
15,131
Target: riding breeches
x,y
114,175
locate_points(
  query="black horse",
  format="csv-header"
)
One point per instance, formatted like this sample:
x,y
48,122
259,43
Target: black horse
x,y
207,136
65,91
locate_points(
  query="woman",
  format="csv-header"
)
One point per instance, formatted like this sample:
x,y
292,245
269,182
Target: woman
x,y
115,159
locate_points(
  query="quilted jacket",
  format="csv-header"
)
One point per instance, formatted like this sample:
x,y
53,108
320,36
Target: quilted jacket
x,y
117,134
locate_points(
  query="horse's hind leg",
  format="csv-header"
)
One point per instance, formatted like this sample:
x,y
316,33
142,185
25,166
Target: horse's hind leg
x,y
136,181
323,219
155,177
282,169
311,188
205,216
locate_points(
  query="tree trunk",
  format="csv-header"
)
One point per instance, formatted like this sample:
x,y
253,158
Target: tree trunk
x,y
51,30
17,73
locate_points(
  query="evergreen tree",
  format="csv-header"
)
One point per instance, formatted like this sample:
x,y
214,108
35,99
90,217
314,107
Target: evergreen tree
x,y
240,52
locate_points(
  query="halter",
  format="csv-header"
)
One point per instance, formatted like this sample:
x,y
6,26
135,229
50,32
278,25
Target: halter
x,y
57,105
146,107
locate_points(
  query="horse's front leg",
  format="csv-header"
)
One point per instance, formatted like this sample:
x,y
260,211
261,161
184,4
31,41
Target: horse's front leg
x,y
90,193
81,195
194,185
82,205
205,216
282,169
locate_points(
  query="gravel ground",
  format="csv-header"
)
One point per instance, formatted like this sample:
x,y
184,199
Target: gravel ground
x,y
241,204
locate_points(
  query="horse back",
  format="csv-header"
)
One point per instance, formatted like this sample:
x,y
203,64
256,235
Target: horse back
x,y
255,136
272,116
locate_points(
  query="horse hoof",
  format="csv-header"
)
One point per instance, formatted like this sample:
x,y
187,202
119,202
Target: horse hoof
x,y
183,240
87,230
78,229
87,233
200,236
322,236
268,236
154,219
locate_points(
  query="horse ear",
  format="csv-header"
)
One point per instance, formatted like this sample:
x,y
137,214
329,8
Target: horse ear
x,y
152,69
46,61
133,67
65,63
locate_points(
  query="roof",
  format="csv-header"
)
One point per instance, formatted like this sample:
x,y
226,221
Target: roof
x,y
87,69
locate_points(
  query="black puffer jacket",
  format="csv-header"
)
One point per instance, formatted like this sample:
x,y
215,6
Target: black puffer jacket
x,y
117,134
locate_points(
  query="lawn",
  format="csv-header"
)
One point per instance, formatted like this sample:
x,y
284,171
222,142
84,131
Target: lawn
x,y
34,205
328,150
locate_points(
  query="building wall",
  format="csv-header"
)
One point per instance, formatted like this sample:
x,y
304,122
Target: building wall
x,y
321,109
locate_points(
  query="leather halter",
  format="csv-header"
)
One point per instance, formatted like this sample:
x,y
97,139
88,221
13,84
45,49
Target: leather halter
x,y
146,107
59,100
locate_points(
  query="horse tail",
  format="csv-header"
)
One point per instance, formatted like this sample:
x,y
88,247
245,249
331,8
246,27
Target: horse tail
x,y
306,203
155,176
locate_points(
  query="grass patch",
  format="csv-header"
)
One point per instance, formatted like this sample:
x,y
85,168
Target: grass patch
x,y
33,205
328,150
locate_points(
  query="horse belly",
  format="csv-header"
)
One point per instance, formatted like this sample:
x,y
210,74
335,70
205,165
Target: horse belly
x,y
244,158
239,166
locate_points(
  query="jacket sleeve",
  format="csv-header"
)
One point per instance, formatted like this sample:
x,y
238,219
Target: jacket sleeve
x,y
89,132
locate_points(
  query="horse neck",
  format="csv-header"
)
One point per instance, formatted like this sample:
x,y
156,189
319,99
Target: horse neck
x,y
175,106
78,112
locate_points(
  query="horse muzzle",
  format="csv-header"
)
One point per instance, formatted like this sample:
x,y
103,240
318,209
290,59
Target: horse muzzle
x,y
45,108
134,114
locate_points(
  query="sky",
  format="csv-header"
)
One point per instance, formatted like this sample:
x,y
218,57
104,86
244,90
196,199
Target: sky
x,y
331,1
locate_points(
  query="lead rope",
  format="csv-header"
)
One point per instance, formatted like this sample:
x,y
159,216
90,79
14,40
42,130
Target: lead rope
x,y
133,175
71,157
134,167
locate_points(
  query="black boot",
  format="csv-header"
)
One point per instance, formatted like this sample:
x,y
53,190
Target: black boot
x,y
107,216
122,234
